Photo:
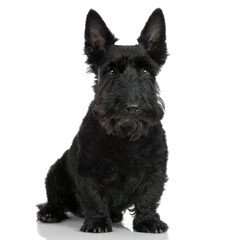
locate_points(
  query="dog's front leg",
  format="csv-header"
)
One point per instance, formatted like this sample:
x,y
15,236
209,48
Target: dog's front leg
x,y
146,218
93,205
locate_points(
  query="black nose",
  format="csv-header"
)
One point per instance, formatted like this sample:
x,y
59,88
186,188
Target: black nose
x,y
132,108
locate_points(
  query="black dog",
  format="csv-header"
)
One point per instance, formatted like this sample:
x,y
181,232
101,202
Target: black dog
x,y
118,158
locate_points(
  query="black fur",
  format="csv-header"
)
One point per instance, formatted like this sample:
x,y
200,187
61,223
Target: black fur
x,y
118,158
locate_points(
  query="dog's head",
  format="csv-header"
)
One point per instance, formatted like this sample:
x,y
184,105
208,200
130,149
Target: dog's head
x,y
127,101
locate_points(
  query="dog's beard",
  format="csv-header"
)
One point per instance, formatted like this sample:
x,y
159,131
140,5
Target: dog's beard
x,y
128,128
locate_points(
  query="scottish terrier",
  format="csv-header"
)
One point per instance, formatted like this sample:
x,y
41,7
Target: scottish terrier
x,y
118,159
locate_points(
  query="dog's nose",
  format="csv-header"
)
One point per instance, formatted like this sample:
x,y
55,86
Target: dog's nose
x,y
132,108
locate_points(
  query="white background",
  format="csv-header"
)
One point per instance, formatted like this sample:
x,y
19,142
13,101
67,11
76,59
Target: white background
x,y
45,92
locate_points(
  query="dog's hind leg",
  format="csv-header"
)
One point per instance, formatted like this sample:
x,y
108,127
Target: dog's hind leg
x,y
58,190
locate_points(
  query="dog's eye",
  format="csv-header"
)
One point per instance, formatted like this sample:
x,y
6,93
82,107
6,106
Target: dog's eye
x,y
145,72
112,72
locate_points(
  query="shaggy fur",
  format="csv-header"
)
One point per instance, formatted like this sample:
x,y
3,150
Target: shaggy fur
x,y
118,158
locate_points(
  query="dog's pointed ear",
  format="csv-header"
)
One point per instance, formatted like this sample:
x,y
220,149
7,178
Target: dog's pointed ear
x,y
153,37
98,37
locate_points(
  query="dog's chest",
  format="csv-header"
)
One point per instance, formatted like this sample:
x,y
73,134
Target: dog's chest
x,y
117,175
121,170
120,182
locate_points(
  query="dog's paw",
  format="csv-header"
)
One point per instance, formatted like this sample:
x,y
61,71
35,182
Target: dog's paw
x,y
151,226
96,227
49,215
